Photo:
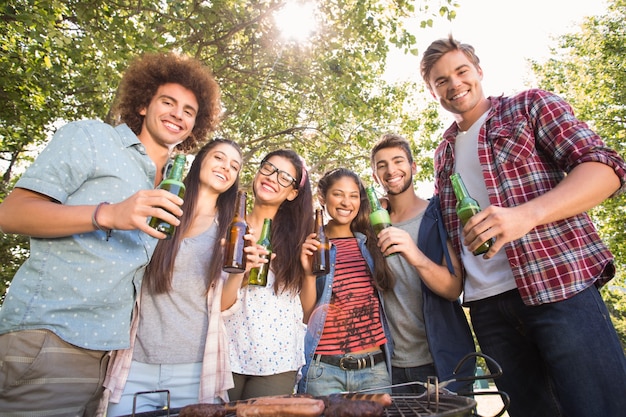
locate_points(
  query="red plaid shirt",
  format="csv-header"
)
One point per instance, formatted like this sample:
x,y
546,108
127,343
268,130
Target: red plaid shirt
x,y
527,145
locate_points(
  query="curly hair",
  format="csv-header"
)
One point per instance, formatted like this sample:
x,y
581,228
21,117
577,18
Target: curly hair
x,y
146,74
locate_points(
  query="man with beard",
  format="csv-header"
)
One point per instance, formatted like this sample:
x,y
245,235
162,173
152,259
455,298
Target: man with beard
x,y
429,328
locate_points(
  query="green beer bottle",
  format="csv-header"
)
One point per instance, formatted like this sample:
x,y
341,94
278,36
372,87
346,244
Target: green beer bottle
x,y
321,257
174,184
234,256
258,276
466,207
379,217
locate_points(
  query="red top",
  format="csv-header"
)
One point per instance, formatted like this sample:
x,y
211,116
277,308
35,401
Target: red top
x,y
353,321
527,145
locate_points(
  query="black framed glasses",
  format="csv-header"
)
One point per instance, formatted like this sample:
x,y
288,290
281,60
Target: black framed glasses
x,y
284,178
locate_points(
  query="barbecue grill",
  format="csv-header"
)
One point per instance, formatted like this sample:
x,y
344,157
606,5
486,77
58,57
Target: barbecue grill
x,y
404,405
435,402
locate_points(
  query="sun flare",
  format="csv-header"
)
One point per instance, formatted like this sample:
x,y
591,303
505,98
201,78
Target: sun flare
x,y
296,20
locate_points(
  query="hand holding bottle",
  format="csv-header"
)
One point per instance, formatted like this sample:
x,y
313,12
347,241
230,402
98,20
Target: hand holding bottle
x,y
320,262
309,247
129,214
258,274
173,183
234,256
466,207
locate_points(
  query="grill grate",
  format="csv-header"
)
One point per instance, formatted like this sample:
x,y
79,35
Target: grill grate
x,y
434,405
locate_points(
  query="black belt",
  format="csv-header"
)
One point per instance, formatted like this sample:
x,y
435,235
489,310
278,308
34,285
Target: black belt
x,y
350,363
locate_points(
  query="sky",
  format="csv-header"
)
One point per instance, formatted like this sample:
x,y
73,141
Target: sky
x,y
504,33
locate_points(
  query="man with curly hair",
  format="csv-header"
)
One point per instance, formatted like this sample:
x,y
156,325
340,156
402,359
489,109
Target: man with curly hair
x,y
84,203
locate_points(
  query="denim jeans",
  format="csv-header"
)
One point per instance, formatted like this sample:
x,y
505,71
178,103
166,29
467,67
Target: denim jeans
x,y
325,379
417,373
558,359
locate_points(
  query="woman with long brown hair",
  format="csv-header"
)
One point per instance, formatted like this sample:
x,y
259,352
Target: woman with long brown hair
x,y
179,342
267,332
348,342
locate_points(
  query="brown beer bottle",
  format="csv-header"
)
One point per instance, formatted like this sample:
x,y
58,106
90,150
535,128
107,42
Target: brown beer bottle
x,y
174,184
258,276
321,257
466,207
235,257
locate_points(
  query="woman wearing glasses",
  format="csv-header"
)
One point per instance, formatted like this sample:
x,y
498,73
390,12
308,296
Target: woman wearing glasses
x,y
267,332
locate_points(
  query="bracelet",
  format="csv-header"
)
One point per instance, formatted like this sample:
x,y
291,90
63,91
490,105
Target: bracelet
x,y
94,220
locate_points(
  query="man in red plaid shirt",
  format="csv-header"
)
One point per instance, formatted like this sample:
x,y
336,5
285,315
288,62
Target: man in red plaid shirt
x,y
533,297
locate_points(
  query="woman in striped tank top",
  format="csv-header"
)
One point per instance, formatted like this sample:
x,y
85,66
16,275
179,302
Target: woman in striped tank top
x,y
348,343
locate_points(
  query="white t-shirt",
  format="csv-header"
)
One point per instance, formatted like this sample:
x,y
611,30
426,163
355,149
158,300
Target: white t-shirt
x,y
484,277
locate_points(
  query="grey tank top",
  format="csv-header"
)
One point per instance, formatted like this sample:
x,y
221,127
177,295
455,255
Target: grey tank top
x,y
173,326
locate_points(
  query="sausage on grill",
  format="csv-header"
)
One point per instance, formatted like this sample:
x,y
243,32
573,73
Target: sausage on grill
x,y
383,399
297,407
354,408
203,410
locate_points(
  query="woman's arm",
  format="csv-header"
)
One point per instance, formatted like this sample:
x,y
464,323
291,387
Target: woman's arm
x,y
308,293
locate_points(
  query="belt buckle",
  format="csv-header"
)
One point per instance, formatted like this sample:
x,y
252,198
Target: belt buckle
x,y
346,358
361,363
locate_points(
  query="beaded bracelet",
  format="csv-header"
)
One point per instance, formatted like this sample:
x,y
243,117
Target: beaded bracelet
x,y
94,220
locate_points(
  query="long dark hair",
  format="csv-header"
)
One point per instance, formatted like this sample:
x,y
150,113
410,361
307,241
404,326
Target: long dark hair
x,y
291,225
383,279
158,275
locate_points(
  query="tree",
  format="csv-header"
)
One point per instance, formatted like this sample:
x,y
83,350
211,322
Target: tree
x,y
61,60
589,70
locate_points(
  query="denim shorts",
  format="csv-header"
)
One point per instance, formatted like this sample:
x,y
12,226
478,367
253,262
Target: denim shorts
x,y
325,379
181,380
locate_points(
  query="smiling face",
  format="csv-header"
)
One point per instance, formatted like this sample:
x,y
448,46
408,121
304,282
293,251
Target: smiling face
x,y
266,187
169,118
220,168
342,201
457,84
393,170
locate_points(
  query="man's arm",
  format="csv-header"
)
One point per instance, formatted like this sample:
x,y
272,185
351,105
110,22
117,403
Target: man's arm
x,y
586,186
436,276
32,214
